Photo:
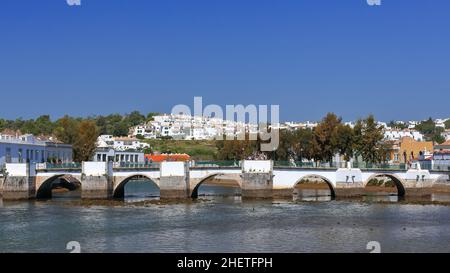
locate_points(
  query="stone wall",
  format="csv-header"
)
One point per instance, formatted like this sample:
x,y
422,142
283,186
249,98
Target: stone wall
x,y
174,187
257,185
96,187
18,188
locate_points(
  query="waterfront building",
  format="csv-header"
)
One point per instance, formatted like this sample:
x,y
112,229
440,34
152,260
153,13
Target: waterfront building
x,y
442,147
441,159
17,148
106,154
407,150
411,149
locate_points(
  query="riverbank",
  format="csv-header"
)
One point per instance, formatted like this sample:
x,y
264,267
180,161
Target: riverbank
x,y
173,202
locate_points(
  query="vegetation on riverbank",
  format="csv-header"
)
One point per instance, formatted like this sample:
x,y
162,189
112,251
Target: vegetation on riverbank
x,y
198,150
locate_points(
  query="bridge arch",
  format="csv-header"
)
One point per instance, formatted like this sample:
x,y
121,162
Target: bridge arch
x,y
194,193
326,180
44,189
119,189
399,183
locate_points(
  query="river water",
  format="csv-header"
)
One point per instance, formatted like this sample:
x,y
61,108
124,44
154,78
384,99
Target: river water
x,y
222,224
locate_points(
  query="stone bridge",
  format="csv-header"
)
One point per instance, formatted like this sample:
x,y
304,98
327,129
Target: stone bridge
x,y
257,179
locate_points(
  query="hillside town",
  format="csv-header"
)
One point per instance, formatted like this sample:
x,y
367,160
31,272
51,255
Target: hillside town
x,y
405,144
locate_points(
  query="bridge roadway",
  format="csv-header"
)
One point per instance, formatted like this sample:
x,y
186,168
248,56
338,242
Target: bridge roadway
x,y
257,179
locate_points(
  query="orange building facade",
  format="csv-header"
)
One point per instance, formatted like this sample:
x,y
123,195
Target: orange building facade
x,y
407,150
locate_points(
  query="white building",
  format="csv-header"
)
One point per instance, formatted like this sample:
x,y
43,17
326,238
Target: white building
x,y
446,134
412,124
110,155
121,143
394,134
190,128
440,123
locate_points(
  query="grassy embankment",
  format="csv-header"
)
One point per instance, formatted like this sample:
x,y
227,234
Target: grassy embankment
x,y
198,150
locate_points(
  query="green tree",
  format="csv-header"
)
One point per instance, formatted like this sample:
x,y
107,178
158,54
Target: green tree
x,y
29,127
397,125
44,125
121,129
344,141
134,118
295,144
151,115
431,131
85,143
236,149
447,124
66,130
2,125
325,144
368,140
426,127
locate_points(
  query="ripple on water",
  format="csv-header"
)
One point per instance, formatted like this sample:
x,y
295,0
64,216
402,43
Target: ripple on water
x,y
224,224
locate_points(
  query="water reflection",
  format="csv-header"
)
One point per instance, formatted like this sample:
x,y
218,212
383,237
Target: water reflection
x,y
141,190
380,198
440,197
312,195
220,193
66,194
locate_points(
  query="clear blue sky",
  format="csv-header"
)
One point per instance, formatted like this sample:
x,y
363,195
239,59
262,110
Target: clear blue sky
x,y
308,56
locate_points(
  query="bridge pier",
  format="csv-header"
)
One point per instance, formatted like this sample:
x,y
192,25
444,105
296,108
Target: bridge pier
x,y
257,185
97,180
442,185
257,179
349,183
19,182
349,190
418,183
174,180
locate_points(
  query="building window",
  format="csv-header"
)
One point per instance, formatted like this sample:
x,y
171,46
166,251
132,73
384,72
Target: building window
x,y
99,157
104,158
127,158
